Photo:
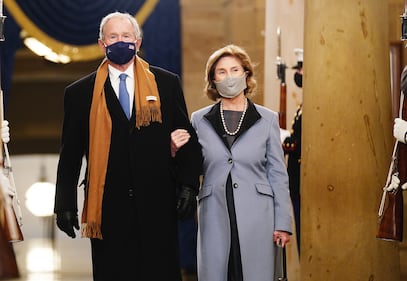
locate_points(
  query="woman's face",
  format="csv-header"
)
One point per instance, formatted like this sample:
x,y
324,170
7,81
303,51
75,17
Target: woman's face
x,y
228,66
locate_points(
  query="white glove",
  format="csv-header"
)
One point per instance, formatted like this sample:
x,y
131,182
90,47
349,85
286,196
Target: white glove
x,y
394,184
284,134
400,130
5,132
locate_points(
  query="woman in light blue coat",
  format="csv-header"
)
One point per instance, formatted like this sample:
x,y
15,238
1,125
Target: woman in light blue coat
x,y
244,202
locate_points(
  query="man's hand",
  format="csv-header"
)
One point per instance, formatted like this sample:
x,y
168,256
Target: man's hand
x,y
186,204
400,130
67,221
179,137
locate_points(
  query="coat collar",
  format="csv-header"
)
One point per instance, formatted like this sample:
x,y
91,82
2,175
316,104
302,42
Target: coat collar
x,y
251,117
114,105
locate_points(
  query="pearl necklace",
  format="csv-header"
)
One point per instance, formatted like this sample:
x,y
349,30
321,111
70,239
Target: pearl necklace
x,y
222,117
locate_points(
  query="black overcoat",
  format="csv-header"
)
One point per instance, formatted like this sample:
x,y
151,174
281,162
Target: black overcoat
x,y
139,224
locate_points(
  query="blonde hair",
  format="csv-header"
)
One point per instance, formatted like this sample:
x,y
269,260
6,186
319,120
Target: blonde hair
x,y
236,52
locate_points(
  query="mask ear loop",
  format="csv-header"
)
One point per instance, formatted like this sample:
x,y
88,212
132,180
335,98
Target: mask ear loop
x,y
135,44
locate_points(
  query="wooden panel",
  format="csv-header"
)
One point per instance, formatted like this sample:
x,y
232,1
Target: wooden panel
x,y
209,25
35,105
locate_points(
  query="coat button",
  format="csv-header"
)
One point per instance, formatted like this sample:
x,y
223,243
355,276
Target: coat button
x,y
235,185
131,192
230,161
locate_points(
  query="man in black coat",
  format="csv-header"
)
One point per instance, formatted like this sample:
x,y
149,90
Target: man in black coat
x,y
131,202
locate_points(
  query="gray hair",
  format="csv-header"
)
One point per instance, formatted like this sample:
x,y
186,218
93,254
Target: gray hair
x,y
133,21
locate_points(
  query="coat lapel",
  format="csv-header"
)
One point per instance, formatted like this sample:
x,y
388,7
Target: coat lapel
x,y
213,116
113,103
251,117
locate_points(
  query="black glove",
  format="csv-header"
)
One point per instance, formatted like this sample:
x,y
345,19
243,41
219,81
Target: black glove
x,y
186,204
67,221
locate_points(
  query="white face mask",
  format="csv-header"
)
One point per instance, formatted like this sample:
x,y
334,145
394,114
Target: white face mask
x,y
230,87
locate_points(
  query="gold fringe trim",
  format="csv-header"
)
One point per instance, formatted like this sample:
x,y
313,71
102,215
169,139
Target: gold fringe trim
x,y
156,114
91,230
148,115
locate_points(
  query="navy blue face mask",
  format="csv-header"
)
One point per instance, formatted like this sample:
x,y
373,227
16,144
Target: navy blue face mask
x,y
121,52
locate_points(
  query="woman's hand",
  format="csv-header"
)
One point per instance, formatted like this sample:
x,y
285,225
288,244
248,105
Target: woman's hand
x,y
179,137
282,236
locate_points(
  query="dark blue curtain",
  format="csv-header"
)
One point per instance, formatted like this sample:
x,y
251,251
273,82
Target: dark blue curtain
x,y
8,48
76,22
162,36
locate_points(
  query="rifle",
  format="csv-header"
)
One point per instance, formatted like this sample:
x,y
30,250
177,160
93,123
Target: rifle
x,y
391,205
8,218
8,262
281,67
11,218
9,224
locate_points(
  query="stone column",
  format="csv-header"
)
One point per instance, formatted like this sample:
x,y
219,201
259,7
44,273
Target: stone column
x,y
347,141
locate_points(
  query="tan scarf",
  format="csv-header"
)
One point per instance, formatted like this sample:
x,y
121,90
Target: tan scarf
x,y
147,104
